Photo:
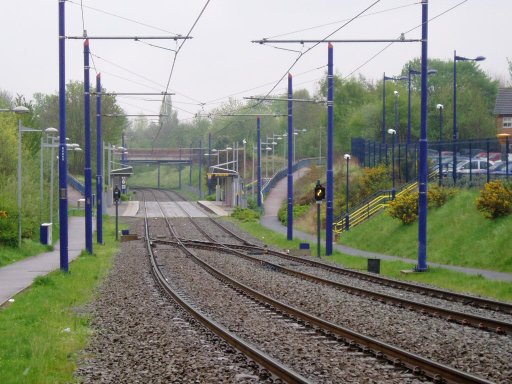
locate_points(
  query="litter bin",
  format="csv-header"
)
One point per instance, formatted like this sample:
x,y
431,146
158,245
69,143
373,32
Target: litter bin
x,y
374,265
45,233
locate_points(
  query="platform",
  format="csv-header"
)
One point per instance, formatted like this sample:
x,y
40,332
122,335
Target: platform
x,y
125,208
216,207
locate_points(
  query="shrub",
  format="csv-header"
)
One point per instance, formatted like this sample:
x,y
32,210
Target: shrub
x,y
438,196
495,200
245,214
8,229
372,180
404,207
298,211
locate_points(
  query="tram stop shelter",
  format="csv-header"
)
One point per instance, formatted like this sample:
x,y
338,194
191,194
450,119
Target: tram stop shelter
x,y
118,178
228,186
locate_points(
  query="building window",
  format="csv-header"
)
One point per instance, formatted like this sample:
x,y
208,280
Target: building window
x,y
507,122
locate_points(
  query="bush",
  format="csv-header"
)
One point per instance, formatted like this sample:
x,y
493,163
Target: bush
x,y
438,196
245,214
8,229
371,181
298,211
495,200
404,207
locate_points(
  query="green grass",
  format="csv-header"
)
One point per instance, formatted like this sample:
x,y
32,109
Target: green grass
x,y
43,330
457,235
443,278
9,255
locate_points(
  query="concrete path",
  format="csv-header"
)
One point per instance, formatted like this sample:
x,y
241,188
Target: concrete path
x,y
279,194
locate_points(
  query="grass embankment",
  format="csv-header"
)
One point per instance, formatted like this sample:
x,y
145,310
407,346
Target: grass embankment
x,y
458,234
439,277
42,331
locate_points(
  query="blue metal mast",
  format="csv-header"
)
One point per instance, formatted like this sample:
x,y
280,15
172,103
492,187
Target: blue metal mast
x,y
330,152
423,171
63,172
289,228
87,169
99,164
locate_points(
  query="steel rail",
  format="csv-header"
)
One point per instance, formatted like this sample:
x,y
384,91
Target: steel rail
x,y
484,323
480,322
261,358
475,301
397,356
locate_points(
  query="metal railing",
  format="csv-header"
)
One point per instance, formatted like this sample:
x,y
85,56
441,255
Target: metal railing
x,y
372,205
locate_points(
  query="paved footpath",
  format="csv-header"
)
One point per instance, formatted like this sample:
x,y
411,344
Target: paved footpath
x,y
18,276
278,194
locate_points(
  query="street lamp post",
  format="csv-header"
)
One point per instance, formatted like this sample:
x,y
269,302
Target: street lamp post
x,y
393,190
245,158
49,131
19,110
384,79
455,129
347,216
440,108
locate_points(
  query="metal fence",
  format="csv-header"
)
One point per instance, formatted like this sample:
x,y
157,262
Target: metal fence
x,y
475,159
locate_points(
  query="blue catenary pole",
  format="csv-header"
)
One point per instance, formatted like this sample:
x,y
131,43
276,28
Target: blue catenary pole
x,y
190,165
289,227
200,165
409,105
179,172
423,180
87,169
99,164
63,188
330,153
455,132
258,138
209,161
384,108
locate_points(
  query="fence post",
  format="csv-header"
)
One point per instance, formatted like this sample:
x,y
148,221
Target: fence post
x,y
487,144
507,152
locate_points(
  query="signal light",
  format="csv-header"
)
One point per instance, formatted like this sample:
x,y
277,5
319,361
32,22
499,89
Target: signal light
x,y
319,192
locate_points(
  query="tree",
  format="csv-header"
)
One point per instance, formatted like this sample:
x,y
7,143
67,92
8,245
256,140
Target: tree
x,y
476,94
46,110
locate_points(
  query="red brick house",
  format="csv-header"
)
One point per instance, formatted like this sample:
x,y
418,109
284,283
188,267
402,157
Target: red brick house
x,y
503,111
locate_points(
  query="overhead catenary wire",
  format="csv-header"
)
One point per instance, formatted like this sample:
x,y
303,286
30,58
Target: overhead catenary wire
x,y
121,17
359,67
344,20
408,31
319,42
174,62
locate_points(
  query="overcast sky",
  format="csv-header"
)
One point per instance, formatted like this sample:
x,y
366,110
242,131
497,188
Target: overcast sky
x,y
220,61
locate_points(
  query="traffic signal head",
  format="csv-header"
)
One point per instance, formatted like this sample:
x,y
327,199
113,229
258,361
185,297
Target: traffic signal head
x,y
319,192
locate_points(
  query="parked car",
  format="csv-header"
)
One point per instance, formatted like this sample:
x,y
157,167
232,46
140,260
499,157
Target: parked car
x,y
474,151
493,156
473,166
447,165
500,169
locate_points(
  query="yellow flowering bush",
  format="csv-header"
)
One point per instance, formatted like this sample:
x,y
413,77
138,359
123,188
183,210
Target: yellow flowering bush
x,y
404,207
495,200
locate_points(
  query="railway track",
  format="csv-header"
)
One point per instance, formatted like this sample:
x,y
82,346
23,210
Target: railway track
x,y
247,250
266,361
396,356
